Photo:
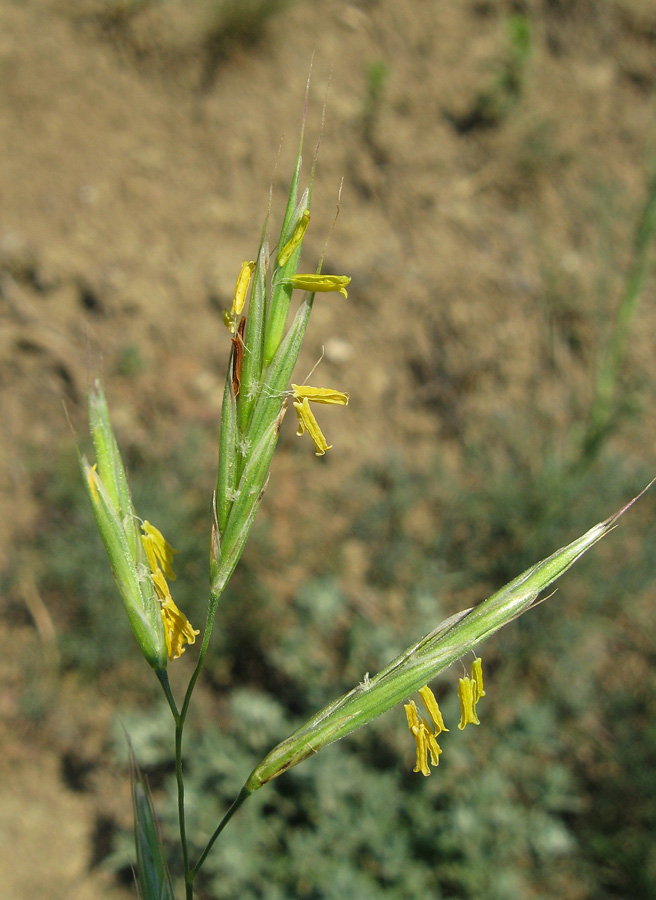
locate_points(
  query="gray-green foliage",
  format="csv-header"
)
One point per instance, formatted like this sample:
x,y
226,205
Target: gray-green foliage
x,y
512,810
529,788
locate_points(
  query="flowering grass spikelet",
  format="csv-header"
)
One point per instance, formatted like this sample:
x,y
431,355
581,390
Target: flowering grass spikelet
x,y
426,658
111,501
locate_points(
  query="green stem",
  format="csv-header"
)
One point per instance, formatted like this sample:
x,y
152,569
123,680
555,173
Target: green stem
x,y
179,725
190,874
163,676
179,718
604,404
241,796
209,623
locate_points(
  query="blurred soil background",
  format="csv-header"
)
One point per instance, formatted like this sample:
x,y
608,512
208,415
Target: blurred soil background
x,y
496,217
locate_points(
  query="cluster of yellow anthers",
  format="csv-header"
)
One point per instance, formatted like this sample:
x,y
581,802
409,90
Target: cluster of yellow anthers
x,y
421,730
470,691
313,283
302,395
159,552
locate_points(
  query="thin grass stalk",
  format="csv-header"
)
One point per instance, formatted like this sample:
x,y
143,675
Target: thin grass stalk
x,y
604,404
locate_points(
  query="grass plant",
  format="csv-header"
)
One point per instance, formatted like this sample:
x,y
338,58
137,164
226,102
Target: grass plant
x,y
267,333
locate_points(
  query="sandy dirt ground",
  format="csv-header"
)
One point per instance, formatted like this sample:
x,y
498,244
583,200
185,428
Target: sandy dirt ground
x,y
136,155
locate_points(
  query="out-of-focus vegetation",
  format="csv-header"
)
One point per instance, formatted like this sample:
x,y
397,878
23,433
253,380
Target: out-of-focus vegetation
x,y
177,33
507,82
555,793
607,407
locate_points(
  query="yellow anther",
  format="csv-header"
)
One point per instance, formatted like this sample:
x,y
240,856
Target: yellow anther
x,y
93,477
296,238
321,283
244,279
307,422
158,550
429,701
302,395
467,703
239,300
477,677
177,628
412,715
320,395
424,738
421,738
229,321
161,587
433,747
